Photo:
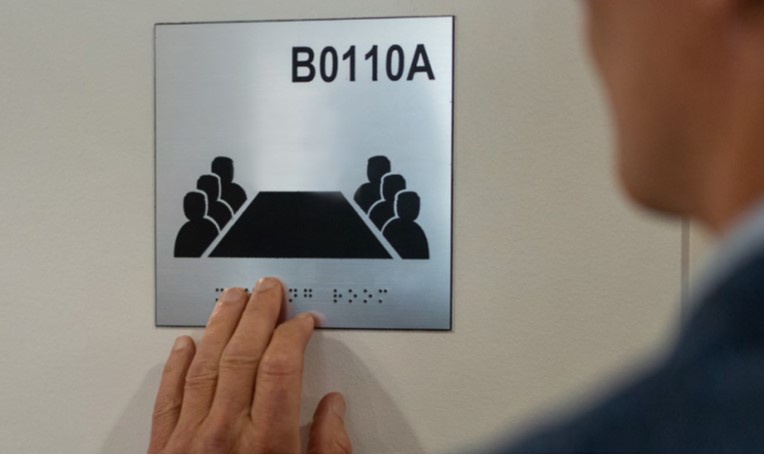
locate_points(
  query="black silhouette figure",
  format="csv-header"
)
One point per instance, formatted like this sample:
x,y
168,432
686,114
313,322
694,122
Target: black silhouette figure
x,y
403,233
369,193
217,209
383,210
199,231
230,192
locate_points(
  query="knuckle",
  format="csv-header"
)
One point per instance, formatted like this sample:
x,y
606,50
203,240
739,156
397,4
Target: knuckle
x,y
257,441
239,362
336,445
217,437
172,366
201,374
280,362
341,445
168,406
214,444
234,359
261,447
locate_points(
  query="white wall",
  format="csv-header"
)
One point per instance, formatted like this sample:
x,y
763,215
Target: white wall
x,y
701,244
558,282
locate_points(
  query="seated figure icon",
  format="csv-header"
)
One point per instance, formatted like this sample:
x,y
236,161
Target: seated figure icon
x,y
369,193
384,210
199,231
217,209
403,233
230,192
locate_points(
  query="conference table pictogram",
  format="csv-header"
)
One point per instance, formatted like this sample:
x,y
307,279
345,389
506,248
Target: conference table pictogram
x,y
300,225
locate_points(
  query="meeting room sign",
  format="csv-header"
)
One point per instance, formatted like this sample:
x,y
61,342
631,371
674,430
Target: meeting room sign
x,y
317,151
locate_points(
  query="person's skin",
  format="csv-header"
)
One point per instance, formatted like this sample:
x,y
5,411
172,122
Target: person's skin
x,y
685,80
239,390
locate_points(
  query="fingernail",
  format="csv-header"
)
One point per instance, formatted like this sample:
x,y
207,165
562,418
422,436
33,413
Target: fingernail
x,y
319,319
231,295
181,343
338,405
307,316
265,284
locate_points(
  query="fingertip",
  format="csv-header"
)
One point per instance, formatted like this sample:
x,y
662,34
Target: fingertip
x,y
267,283
182,343
337,404
269,289
319,319
328,433
233,295
309,317
331,404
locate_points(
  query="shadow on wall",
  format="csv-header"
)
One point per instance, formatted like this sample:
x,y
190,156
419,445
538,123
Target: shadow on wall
x,y
375,424
374,421
131,434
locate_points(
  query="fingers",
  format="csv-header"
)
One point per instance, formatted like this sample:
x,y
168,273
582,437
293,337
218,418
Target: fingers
x,y
240,359
327,433
276,406
202,376
170,394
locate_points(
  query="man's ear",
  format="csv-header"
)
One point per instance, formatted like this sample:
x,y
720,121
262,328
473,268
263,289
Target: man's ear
x,y
739,24
749,12
739,10
746,19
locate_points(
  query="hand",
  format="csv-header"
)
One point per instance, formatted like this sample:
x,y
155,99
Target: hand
x,y
239,391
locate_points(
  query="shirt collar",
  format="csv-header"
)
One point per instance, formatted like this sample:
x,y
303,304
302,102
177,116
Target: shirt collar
x,y
742,242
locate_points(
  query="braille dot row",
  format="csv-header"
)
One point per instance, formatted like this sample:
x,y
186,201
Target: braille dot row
x,y
357,296
223,289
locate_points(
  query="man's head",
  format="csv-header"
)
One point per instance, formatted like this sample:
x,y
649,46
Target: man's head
x,y
210,184
391,185
222,166
407,205
679,74
377,167
195,205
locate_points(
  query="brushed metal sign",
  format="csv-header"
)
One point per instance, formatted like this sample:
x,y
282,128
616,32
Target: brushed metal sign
x,y
316,151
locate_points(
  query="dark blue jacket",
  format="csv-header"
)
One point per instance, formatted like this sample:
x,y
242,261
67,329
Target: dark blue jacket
x,y
707,396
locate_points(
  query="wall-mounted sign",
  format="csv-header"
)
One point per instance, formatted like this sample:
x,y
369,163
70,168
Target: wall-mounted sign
x,y
319,152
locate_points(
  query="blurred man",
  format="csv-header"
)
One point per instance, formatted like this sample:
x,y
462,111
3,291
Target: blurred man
x,y
686,82
685,79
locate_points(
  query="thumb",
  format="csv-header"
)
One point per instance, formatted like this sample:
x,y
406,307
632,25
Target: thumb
x,y
327,434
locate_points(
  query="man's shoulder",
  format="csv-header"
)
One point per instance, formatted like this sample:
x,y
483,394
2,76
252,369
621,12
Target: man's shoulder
x,y
708,395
